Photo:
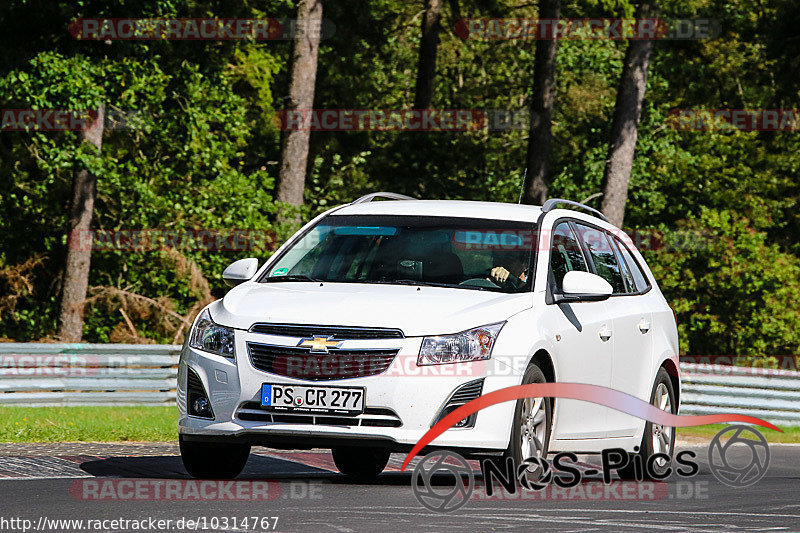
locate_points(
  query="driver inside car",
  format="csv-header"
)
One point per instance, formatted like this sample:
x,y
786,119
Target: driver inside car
x,y
510,270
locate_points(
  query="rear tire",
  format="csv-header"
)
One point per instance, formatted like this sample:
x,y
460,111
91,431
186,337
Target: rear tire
x,y
360,463
656,438
530,432
213,461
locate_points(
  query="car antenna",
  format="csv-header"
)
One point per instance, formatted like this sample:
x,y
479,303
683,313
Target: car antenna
x,y
522,185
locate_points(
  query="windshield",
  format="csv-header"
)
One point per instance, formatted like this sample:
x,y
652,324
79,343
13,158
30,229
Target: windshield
x,y
465,253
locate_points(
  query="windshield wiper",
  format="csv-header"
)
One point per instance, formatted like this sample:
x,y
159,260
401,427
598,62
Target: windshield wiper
x,y
434,284
293,277
412,282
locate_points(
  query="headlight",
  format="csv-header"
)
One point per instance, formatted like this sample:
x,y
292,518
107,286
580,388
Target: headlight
x,y
210,337
473,345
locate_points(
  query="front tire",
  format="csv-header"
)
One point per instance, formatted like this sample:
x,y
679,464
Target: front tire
x,y
360,463
656,438
530,432
213,461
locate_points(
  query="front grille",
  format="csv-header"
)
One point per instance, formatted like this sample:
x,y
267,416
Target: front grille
x,y
372,417
337,332
300,363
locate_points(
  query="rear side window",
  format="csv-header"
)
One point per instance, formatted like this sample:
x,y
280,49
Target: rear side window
x,y
602,255
630,284
565,254
639,279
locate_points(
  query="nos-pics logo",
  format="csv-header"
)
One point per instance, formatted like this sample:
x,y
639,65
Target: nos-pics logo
x,y
742,470
444,481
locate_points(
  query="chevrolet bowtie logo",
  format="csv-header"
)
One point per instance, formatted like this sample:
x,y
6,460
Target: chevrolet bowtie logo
x,y
319,344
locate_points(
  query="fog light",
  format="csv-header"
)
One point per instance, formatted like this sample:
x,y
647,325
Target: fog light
x,y
464,422
202,407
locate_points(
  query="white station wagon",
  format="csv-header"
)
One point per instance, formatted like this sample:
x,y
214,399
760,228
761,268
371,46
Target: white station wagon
x,y
378,318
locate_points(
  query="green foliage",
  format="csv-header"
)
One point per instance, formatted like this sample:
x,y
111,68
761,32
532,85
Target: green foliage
x,y
204,150
178,161
733,291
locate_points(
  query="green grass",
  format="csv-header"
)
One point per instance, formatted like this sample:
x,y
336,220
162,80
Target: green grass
x,y
88,424
151,424
789,435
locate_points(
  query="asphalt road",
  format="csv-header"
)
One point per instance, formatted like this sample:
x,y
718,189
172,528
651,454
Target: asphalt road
x,y
44,483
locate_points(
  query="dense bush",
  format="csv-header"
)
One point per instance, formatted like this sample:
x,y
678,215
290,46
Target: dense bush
x,y
203,152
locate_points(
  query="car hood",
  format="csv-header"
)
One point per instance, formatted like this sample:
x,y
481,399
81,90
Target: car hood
x,y
415,310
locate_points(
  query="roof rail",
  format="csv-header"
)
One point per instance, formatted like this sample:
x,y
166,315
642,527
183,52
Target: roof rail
x,y
551,204
388,195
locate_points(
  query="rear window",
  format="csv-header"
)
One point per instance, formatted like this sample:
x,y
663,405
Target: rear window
x,y
639,279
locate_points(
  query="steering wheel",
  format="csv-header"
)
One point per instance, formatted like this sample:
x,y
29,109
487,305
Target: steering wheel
x,y
485,281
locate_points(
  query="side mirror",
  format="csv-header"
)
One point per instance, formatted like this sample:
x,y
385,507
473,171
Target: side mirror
x,y
240,271
583,287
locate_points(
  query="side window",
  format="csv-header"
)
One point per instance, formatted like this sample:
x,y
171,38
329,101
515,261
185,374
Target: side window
x,y
639,279
603,257
565,254
623,266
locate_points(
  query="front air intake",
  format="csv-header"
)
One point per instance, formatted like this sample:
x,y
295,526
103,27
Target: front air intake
x,y
371,417
462,395
197,402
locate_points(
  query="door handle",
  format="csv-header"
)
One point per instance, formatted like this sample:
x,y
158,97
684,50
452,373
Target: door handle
x,y
604,333
644,326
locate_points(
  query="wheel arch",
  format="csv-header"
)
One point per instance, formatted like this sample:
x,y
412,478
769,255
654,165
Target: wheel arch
x,y
544,361
673,371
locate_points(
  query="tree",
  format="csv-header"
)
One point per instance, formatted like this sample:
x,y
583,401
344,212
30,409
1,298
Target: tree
x,y
624,127
76,270
302,78
173,166
541,110
426,66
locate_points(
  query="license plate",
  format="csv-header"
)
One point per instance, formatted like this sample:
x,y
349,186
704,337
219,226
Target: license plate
x,y
313,399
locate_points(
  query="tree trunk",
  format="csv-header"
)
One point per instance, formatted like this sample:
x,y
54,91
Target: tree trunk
x,y
624,127
302,78
426,67
79,253
541,112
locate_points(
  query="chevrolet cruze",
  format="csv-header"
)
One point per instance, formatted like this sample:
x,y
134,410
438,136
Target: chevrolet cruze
x,y
378,318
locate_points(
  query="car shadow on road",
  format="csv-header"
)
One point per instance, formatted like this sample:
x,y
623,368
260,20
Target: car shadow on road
x,y
258,467
171,467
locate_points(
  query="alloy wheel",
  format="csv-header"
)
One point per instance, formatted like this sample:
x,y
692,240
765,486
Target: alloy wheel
x,y
662,435
533,427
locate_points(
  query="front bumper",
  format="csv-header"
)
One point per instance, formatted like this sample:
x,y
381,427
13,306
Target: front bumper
x,y
415,394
